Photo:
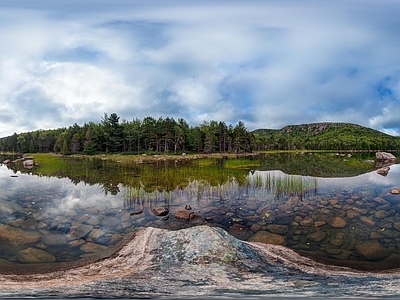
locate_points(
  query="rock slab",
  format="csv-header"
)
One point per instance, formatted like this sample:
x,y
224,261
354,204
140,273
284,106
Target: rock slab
x,y
199,262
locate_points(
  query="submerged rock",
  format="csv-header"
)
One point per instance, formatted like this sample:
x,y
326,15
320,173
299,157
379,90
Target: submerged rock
x,y
182,215
17,237
160,211
337,222
317,236
92,247
54,239
372,250
32,255
367,221
9,208
80,230
268,238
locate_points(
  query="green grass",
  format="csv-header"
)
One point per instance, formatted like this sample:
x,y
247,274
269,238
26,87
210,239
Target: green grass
x,y
260,184
168,173
279,184
241,163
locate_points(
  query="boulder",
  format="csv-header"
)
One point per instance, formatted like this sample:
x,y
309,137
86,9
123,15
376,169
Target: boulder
x,y
54,239
381,214
319,223
307,222
338,239
182,215
95,234
317,236
17,237
372,250
76,243
278,229
109,222
28,164
396,225
383,171
337,222
160,211
268,238
240,231
138,212
32,255
29,224
367,221
92,247
115,238
198,262
201,245
80,230
385,157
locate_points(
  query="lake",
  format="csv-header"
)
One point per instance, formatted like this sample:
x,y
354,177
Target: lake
x,y
333,207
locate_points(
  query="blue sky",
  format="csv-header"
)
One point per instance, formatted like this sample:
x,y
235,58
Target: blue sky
x,y
266,63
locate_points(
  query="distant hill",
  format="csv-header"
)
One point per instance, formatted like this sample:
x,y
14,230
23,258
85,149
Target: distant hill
x,y
165,135
342,136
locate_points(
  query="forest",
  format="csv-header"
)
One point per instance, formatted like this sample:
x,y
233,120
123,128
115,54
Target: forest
x,y
169,136
150,136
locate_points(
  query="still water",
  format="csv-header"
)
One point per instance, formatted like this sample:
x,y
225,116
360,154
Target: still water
x,y
353,221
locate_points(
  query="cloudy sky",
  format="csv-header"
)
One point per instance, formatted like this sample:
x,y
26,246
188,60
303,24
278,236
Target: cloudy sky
x,y
269,63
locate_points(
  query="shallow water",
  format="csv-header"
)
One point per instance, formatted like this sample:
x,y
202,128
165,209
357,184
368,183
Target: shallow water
x,y
52,219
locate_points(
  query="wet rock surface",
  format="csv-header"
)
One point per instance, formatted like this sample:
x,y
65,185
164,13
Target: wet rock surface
x,y
198,262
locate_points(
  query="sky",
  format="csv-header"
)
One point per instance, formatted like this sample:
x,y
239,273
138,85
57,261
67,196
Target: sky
x,y
268,63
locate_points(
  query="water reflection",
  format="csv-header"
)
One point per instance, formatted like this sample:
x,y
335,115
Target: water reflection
x,y
352,221
47,219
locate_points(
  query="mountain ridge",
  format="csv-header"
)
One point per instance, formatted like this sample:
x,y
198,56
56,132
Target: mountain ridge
x,y
327,135
317,128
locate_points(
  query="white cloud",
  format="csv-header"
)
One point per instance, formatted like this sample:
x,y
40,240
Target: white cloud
x,y
267,63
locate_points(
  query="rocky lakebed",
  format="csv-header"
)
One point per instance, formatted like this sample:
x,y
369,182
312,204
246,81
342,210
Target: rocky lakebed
x,y
63,239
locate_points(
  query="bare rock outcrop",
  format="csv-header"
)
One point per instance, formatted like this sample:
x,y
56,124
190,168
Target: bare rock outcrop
x,y
199,261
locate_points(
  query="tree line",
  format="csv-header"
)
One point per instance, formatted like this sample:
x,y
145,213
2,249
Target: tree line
x,y
150,135
166,136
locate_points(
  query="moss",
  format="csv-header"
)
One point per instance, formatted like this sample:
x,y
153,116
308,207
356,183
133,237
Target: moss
x,y
229,256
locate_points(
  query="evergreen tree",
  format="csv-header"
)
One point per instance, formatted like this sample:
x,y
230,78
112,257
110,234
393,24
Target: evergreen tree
x,y
113,133
240,138
65,149
32,146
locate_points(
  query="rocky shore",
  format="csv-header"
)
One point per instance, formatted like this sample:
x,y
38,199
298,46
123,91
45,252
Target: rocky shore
x,y
200,261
